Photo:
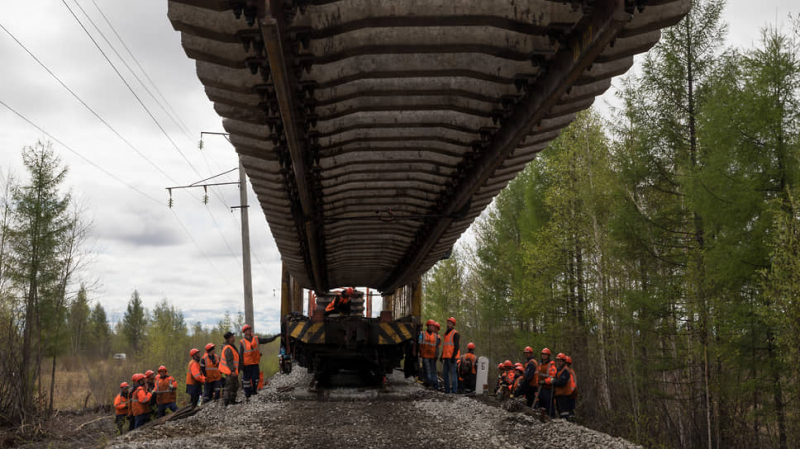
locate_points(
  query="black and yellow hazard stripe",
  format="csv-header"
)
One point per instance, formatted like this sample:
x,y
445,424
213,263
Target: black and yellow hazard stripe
x,y
395,333
308,332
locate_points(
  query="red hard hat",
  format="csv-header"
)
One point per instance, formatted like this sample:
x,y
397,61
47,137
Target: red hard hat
x,y
137,377
438,326
500,366
508,364
561,356
210,346
246,327
148,373
569,360
471,345
193,352
528,349
546,351
519,366
124,385
430,323
349,291
453,320
162,368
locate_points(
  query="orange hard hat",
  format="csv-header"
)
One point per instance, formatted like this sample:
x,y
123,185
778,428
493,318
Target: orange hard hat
x,y
349,291
137,377
569,360
528,349
500,366
246,327
561,356
546,351
210,346
430,323
124,385
162,368
437,325
453,320
508,364
519,366
193,352
148,373
471,345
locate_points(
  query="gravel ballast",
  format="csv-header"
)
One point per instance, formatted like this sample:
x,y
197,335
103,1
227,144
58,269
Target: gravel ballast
x,y
408,417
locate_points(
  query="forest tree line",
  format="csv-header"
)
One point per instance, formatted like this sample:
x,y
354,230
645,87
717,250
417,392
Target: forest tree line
x,y
660,248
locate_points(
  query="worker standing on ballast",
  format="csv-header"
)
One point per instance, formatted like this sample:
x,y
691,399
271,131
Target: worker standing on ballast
x,y
450,354
166,392
250,356
209,365
427,352
140,401
121,404
229,366
467,368
564,387
531,375
194,378
547,368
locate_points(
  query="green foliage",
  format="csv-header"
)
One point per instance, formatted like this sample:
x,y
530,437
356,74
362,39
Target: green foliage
x,y
134,322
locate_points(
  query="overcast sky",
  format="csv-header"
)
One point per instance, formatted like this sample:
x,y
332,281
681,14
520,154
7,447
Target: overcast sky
x,y
140,243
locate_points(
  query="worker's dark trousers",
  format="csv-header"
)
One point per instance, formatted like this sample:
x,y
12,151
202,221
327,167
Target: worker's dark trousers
x,y
566,406
211,390
142,420
250,380
546,401
120,423
194,392
429,365
530,394
162,408
450,374
469,383
131,422
231,388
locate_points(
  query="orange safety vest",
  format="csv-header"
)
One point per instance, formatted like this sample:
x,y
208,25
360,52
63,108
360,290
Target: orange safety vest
x,y
449,346
212,368
574,381
519,379
472,358
193,375
341,301
547,370
510,379
140,401
121,404
535,381
223,365
427,347
165,391
569,388
251,355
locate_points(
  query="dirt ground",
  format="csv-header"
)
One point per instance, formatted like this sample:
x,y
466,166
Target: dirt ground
x,y
68,430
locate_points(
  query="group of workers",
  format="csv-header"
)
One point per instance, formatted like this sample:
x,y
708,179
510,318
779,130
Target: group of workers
x,y
152,395
545,384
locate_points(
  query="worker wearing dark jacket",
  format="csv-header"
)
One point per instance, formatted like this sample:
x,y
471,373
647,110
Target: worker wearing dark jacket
x,y
229,366
450,354
564,385
194,378
547,368
531,383
249,357
467,369
121,404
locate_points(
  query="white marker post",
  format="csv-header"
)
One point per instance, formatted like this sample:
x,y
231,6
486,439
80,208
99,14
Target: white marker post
x,y
482,375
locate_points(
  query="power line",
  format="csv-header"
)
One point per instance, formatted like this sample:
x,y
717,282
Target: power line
x,y
144,86
111,128
114,30
149,113
76,153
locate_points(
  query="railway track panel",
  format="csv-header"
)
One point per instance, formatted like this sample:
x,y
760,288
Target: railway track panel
x,y
375,132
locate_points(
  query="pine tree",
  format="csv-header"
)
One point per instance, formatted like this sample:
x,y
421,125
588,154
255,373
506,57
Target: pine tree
x,y
134,322
99,332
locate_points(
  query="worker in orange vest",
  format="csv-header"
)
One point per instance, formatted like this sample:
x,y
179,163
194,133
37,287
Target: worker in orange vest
x,y
427,352
194,378
501,373
450,354
575,382
531,375
564,385
341,303
150,380
250,356
519,380
467,369
547,368
209,365
140,401
229,366
166,392
121,405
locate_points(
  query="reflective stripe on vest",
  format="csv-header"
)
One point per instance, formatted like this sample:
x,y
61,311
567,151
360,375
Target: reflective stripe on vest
x,y
565,390
427,348
170,380
250,351
223,364
449,346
